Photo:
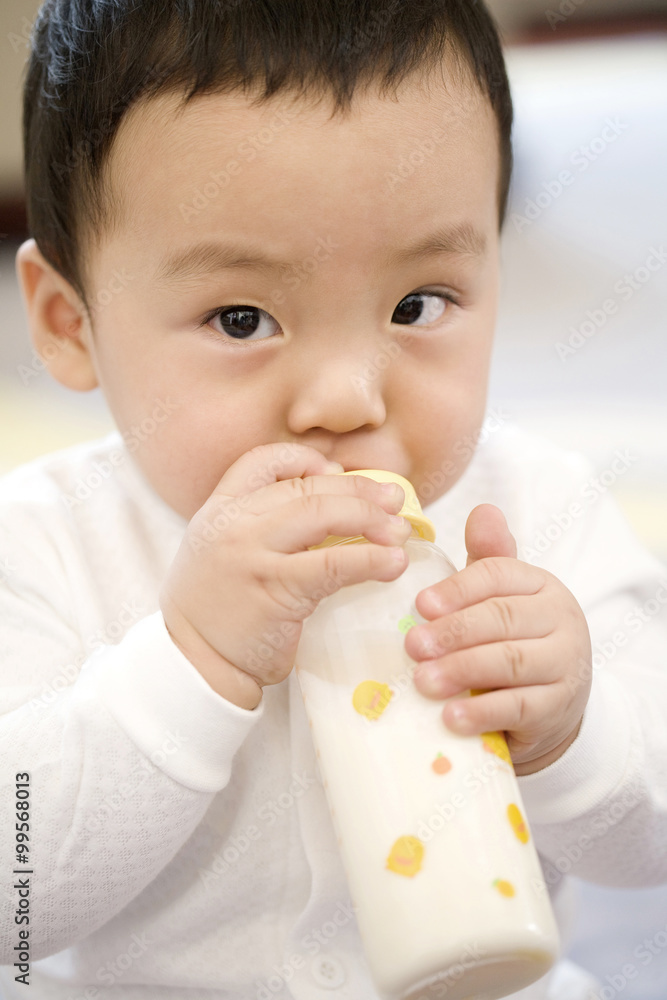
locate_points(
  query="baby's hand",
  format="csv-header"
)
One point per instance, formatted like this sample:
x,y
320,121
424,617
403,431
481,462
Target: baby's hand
x,y
243,580
514,630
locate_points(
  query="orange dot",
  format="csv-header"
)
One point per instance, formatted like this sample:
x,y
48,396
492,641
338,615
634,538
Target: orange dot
x,y
441,765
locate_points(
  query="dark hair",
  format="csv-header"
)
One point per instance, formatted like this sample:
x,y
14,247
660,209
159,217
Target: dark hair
x,y
92,59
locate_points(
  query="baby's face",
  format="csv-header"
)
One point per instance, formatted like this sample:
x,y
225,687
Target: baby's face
x,y
265,283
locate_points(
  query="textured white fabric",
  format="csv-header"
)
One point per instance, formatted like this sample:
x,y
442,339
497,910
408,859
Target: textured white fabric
x,y
181,846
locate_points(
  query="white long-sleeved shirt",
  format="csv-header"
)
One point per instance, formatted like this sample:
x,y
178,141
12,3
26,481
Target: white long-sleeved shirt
x,y
181,847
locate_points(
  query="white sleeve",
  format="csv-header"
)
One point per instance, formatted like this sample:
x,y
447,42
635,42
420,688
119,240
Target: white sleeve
x,y
125,749
600,811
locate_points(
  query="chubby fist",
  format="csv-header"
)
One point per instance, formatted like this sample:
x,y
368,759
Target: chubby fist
x,y
244,574
514,631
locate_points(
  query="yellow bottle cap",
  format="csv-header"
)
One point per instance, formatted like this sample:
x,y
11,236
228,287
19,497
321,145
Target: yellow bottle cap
x,y
422,527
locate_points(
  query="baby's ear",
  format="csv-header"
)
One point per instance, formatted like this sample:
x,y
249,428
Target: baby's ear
x,y
57,318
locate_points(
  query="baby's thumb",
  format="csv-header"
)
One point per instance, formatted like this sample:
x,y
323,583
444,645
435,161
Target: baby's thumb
x,y
487,534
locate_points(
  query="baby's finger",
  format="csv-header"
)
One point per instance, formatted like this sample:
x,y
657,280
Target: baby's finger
x,y
307,521
499,576
494,620
308,577
519,711
390,496
269,463
494,665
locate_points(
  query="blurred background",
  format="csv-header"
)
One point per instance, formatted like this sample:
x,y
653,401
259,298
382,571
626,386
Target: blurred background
x,y
581,350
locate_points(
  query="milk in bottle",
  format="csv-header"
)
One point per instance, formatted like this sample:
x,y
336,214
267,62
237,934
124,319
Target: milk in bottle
x,y
449,893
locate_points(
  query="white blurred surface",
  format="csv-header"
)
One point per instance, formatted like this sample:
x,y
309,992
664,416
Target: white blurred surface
x,y
568,260
610,393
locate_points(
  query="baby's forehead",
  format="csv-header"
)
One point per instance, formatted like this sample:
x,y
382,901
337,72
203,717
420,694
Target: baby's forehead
x,y
447,100
429,115
285,176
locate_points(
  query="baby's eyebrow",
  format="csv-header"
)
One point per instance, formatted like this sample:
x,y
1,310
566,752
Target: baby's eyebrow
x,y
461,240
202,259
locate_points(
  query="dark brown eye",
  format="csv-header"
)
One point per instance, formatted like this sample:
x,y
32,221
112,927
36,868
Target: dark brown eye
x,y
419,309
245,322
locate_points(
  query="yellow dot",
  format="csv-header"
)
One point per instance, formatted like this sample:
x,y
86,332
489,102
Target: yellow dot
x,y
405,856
370,698
518,824
504,888
496,743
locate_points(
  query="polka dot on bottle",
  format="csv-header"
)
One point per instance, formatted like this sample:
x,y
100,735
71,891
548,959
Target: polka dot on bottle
x,y
504,887
517,823
441,764
497,744
406,623
370,698
405,857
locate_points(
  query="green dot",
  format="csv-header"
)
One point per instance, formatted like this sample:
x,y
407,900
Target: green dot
x,y
406,623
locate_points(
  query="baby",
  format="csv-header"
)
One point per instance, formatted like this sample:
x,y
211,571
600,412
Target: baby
x,y
269,232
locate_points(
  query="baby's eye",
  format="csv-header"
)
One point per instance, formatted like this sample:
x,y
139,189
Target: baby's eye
x,y
244,322
420,308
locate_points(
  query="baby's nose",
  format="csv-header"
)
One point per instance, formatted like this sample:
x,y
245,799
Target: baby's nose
x,y
339,396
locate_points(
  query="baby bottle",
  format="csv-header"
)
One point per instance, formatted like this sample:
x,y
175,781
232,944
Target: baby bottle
x,y
449,894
